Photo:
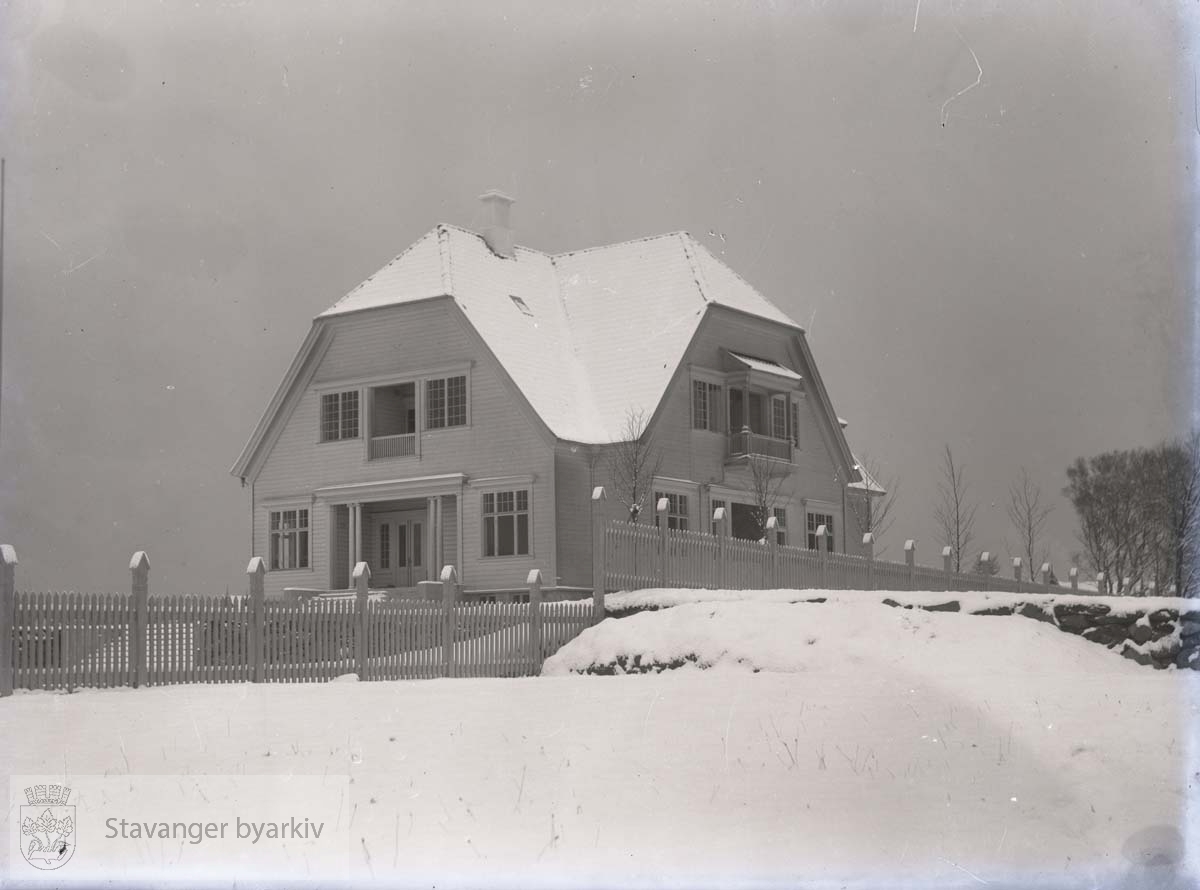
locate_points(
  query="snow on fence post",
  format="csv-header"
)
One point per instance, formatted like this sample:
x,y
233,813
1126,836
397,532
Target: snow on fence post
x,y
599,555
8,605
534,582
1101,583
910,560
718,519
985,564
823,554
773,550
362,580
1045,574
256,570
139,567
660,515
1073,574
1016,566
449,594
869,552
948,567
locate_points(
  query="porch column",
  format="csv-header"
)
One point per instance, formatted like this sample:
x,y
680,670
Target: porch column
x,y
351,541
433,539
358,534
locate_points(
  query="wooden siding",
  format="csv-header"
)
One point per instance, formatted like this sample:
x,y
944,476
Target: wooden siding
x,y
699,455
573,489
504,438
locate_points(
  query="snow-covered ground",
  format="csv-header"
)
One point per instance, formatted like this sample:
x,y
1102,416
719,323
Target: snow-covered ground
x,y
842,742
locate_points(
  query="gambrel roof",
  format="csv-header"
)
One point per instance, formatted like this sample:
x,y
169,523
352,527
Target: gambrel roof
x,y
587,336
595,333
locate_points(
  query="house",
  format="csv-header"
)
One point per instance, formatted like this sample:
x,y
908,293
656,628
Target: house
x,y
459,405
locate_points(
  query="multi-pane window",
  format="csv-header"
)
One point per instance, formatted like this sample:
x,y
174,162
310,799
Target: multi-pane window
x,y
706,406
780,514
289,539
385,546
815,521
506,523
715,527
339,415
779,417
446,402
677,509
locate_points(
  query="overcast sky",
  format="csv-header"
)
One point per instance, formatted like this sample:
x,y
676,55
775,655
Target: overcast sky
x,y
1003,267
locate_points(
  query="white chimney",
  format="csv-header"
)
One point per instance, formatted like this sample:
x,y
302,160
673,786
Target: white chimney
x,y
497,227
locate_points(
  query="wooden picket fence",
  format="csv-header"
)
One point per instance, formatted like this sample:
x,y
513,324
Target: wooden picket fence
x,y
631,556
74,640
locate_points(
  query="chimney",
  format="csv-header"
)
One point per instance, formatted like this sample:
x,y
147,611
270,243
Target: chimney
x,y
497,228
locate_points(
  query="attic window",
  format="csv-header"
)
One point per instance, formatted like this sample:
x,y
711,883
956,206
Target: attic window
x,y
520,304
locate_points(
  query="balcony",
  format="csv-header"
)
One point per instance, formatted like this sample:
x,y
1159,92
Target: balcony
x,y
401,445
747,444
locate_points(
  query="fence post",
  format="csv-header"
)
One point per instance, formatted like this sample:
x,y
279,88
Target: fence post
x,y
361,576
722,548
869,552
1073,574
534,582
256,570
599,555
1016,566
1101,583
8,607
1045,574
822,554
139,566
449,595
660,514
773,549
910,560
948,567
985,563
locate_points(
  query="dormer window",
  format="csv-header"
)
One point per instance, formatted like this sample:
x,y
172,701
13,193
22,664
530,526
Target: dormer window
x,y
521,305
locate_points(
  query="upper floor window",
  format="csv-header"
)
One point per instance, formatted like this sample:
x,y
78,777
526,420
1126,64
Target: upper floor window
x,y
446,402
779,417
506,523
706,406
289,539
339,415
677,509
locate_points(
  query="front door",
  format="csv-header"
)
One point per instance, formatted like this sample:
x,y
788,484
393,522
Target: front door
x,y
401,545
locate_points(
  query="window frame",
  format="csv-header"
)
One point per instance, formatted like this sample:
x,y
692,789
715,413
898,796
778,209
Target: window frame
x,y
302,546
340,395
810,528
427,383
712,394
678,509
492,538
781,525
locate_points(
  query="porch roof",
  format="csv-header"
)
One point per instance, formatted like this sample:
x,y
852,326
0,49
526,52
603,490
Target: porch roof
x,y
389,489
763,366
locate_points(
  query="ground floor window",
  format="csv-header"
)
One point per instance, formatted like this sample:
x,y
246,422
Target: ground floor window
x,y
780,514
506,523
815,521
289,539
677,509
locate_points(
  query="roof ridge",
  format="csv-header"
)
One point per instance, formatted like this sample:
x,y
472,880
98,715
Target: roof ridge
x,y
378,271
464,230
738,275
697,272
566,253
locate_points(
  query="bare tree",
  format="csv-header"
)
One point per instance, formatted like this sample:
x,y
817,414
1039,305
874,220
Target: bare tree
x,y
1027,512
954,514
633,462
766,480
873,512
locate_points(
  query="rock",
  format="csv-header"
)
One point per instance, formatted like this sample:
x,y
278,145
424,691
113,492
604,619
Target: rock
x,y
1029,610
995,610
1133,654
1141,634
1163,618
949,606
1108,635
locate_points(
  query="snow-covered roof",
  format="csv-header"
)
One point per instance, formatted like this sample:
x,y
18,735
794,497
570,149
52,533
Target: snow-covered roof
x,y
587,335
867,481
767,367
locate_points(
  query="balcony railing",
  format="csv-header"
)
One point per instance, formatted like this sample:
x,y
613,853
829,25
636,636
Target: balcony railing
x,y
746,443
403,445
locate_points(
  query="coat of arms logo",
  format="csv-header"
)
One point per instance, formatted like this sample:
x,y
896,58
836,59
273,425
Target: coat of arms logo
x,y
47,826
